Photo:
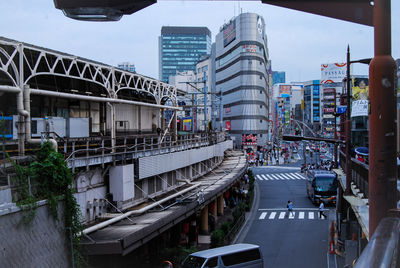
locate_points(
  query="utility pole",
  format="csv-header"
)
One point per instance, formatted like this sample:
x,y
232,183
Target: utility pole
x,y
382,135
348,128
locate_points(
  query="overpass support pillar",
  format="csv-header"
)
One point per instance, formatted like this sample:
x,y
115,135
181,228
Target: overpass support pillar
x,y
214,209
204,220
220,205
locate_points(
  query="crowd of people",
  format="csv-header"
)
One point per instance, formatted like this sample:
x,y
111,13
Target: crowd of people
x,y
264,156
326,165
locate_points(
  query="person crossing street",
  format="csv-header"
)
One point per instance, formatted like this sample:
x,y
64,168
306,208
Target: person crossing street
x,y
290,208
321,210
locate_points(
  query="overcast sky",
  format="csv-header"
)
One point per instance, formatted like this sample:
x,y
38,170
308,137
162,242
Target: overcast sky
x,y
298,42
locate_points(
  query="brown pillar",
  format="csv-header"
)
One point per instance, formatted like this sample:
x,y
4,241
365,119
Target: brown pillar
x,y
214,209
220,205
204,220
382,139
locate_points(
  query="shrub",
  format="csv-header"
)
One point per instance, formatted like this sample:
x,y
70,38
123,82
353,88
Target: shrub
x,y
217,238
225,227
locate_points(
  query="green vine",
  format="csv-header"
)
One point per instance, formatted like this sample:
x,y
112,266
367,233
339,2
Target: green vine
x,y
51,179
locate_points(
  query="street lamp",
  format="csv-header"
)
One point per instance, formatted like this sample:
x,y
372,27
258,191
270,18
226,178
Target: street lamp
x,y
348,121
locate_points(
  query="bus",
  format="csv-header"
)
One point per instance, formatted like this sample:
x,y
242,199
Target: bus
x,y
321,186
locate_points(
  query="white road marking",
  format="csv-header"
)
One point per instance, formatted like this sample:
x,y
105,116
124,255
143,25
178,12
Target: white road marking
x,y
276,177
282,215
298,176
291,215
291,176
263,215
259,177
264,177
301,215
272,215
281,176
311,215
270,177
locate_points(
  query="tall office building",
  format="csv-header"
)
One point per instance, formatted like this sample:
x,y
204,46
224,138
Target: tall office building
x,y
180,48
278,77
311,105
242,71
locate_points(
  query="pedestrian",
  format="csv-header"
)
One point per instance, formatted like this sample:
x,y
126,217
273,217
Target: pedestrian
x,y
321,210
290,207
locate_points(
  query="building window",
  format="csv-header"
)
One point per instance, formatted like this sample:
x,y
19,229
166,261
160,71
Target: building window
x,y
260,106
260,77
260,91
261,121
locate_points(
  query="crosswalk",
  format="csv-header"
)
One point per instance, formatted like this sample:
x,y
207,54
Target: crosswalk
x,y
280,176
295,215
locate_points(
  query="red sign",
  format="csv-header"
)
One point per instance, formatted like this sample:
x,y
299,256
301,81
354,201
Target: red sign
x,y
250,139
228,125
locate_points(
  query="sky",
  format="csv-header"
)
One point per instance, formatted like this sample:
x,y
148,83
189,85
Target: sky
x,y
298,42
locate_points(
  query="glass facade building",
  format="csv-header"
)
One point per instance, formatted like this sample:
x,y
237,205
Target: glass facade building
x,y
278,77
180,48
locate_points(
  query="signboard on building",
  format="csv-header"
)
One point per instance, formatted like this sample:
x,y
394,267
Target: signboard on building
x,y
249,139
333,72
360,89
229,32
228,125
284,91
359,108
187,124
250,49
260,26
228,110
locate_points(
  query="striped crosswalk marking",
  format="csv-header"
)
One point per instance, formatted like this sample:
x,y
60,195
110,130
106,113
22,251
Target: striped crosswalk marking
x,y
280,176
291,176
275,177
263,215
311,215
270,177
298,176
296,214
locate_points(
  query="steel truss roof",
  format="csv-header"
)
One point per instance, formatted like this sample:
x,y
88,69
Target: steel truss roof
x,y
22,62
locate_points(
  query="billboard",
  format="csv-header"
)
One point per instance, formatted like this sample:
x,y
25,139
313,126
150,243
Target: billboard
x,y
249,139
229,33
284,90
260,26
333,72
187,123
360,108
228,125
360,89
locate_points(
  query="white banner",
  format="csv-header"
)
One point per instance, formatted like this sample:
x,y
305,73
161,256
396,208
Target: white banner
x,y
359,108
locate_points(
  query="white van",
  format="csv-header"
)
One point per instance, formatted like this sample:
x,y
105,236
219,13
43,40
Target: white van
x,y
234,256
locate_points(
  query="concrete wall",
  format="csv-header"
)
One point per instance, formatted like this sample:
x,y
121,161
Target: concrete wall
x,y
43,244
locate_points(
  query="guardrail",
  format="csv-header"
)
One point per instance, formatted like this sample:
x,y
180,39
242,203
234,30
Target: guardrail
x,y
359,173
383,249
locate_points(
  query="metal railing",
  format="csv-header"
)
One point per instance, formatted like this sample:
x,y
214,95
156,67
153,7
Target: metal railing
x,y
383,249
359,173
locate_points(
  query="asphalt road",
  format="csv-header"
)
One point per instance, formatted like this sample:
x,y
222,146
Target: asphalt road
x,y
297,241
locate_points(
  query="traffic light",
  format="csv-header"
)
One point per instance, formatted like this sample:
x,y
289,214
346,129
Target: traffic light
x,y
297,131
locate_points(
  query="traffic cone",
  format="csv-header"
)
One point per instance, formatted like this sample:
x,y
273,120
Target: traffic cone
x,y
331,250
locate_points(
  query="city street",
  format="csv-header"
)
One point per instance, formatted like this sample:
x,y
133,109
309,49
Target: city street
x,y
299,240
